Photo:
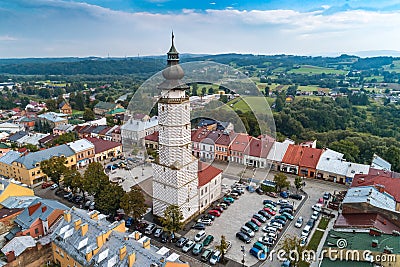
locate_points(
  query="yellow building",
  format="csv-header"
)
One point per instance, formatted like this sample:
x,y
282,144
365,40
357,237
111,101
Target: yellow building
x,y
10,188
26,169
88,239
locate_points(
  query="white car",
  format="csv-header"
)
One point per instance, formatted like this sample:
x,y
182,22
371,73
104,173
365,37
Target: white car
x,y
269,229
188,246
315,215
200,235
299,222
205,221
316,207
247,231
54,186
282,201
215,257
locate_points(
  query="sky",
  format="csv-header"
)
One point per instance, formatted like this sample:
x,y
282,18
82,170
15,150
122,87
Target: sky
x,y
119,28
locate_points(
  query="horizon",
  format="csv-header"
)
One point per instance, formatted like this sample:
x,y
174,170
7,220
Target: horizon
x,y
103,28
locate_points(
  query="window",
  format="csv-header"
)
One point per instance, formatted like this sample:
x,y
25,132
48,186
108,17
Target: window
x,y
162,108
206,189
202,192
36,230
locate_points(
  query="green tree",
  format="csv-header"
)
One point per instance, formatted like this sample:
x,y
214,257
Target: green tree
x,y
88,115
31,148
298,182
223,98
109,198
222,247
133,203
279,104
172,220
80,101
73,180
266,90
210,91
203,91
51,105
54,168
94,179
64,138
292,243
281,181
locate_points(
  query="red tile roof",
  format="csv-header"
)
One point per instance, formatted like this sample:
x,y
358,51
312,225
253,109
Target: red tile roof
x,y
391,185
212,137
293,155
199,134
206,173
152,137
258,148
368,220
240,143
101,145
310,157
225,139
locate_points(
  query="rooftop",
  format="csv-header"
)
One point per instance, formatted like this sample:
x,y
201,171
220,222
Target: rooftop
x,y
241,142
368,220
310,157
199,134
80,145
259,148
333,162
206,173
10,156
293,155
19,245
225,139
380,163
372,195
19,202
152,137
53,116
278,150
105,105
390,185
101,145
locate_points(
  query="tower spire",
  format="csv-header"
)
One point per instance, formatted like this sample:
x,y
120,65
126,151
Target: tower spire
x,y
173,55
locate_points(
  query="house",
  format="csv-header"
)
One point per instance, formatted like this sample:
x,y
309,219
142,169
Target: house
x,y
291,159
31,139
238,147
47,140
256,153
197,135
11,188
26,169
380,164
84,152
276,154
13,249
151,141
207,145
16,136
5,163
88,239
134,130
116,135
353,169
7,218
309,161
53,119
102,108
222,145
364,222
11,128
39,217
65,107
63,129
209,186
332,166
28,123
105,149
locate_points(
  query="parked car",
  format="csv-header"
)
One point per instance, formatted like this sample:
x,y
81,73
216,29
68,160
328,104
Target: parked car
x,y
268,201
287,206
306,231
303,242
229,199
260,218
282,202
317,207
150,229
158,232
266,240
269,229
181,242
207,241
261,246
281,217
299,222
243,237
199,226
234,195
265,214
218,208
215,257
287,210
272,207
188,246
327,196
288,215
259,191
197,249
200,235
205,221
284,194
270,211
252,226
223,205
166,237
128,221
237,191
315,215
295,196
246,230
214,213
208,216
206,255
54,186
255,221
47,184
272,194
311,223
256,253
67,195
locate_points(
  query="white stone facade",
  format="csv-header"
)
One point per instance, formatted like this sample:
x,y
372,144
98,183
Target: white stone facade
x,y
210,192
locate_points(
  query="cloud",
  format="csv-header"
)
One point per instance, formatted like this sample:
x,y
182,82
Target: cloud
x,y
65,28
7,38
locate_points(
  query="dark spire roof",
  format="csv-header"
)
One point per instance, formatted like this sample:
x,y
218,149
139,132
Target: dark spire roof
x,y
173,55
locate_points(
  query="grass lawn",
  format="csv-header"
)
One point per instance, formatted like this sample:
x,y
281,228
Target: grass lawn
x,y
315,240
323,223
308,69
308,88
254,103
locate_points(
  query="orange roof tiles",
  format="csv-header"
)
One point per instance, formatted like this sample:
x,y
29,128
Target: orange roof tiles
x,y
310,157
199,134
293,155
206,173
240,143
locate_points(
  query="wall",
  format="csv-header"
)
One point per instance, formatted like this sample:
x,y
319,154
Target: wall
x,y
33,257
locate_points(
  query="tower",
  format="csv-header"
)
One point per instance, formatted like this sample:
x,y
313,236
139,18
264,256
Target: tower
x,y
175,179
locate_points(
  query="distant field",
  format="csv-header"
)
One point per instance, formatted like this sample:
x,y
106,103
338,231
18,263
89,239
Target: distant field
x,y
396,67
308,88
308,69
257,103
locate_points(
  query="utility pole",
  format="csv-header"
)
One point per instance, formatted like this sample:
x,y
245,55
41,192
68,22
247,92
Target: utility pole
x,y
244,253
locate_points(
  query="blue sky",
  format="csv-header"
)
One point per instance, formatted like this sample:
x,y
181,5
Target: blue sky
x,y
57,28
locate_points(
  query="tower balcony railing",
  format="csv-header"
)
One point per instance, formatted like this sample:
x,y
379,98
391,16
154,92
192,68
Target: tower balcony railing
x,y
178,100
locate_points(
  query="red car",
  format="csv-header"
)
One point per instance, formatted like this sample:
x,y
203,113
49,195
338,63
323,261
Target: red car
x,y
215,213
220,209
47,184
270,211
254,220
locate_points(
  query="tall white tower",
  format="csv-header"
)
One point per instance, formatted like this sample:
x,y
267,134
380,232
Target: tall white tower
x,y
175,179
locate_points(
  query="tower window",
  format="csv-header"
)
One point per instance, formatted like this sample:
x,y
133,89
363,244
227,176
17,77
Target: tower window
x,y
162,108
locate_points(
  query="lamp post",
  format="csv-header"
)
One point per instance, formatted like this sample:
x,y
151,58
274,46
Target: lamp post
x,y
244,253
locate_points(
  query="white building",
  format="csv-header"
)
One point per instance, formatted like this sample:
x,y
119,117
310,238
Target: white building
x,y
175,180
276,154
209,185
136,129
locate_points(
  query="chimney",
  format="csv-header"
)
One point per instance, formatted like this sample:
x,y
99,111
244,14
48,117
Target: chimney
x,y
10,256
131,259
122,252
67,216
84,228
77,224
44,209
146,243
93,215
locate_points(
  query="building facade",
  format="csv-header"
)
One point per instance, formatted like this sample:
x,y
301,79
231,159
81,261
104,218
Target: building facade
x,y
175,180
